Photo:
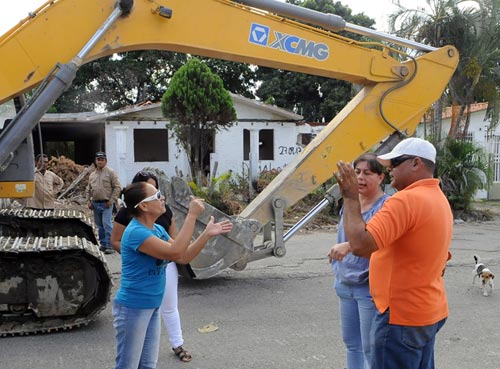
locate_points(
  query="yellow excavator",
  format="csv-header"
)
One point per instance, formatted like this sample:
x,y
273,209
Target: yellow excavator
x,y
52,275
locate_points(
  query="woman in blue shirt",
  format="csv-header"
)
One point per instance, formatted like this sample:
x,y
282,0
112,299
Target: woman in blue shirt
x,y
351,272
169,307
145,249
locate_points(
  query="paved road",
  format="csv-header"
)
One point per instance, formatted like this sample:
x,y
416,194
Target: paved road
x,y
283,314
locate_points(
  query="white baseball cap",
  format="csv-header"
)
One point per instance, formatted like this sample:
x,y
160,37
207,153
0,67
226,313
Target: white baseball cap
x,y
410,146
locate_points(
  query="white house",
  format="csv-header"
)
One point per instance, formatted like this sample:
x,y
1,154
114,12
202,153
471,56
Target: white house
x,y
477,133
263,137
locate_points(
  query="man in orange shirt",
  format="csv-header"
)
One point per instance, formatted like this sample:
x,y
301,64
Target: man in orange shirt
x,y
407,242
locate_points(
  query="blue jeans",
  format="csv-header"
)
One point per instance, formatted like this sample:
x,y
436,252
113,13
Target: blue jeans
x,y
400,346
103,219
356,316
137,337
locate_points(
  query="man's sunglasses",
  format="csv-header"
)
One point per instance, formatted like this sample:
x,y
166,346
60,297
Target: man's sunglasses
x,y
400,160
156,196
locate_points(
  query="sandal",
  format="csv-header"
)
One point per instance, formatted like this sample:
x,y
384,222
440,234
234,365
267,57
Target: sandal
x,y
182,354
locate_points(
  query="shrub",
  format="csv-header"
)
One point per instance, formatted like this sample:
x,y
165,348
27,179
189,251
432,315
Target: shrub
x,y
230,193
222,194
463,169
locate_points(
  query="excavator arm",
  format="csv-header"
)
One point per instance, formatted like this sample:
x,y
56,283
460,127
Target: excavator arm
x,y
214,28
397,88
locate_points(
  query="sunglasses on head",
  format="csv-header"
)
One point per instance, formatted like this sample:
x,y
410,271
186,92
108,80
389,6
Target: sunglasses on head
x,y
143,176
400,160
155,196
146,174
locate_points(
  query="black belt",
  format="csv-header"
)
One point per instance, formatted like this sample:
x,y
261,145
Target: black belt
x,y
100,201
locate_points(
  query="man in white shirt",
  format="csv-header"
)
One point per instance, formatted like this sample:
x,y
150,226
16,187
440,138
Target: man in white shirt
x,y
47,185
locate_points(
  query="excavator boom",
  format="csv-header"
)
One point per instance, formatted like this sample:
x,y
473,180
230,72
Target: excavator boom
x,y
214,28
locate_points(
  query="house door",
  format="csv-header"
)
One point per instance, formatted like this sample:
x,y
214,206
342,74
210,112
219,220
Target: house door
x,y
209,142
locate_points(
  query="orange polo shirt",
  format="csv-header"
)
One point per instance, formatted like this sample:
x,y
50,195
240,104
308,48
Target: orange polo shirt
x,y
413,233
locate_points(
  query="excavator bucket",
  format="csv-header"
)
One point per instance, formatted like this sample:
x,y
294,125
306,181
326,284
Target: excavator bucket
x,y
221,252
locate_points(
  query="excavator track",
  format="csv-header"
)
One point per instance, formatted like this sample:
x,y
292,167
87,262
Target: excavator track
x,y
52,274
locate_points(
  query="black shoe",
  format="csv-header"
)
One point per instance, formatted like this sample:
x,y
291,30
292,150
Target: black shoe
x,y
109,251
102,248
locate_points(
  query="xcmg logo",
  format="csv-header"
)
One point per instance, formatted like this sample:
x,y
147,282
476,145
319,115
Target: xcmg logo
x,y
260,35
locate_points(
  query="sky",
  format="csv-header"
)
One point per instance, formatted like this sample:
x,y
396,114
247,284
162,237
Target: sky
x,y
12,12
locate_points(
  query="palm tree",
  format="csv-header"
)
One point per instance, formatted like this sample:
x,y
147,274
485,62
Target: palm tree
x,y
477,75
475,31
425,25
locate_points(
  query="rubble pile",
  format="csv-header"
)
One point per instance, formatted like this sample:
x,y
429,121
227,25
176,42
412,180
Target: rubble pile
x,y
75,177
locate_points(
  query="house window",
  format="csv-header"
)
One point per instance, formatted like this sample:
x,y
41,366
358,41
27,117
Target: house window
x,y
303,139
150,145
266,144
246,144
469,137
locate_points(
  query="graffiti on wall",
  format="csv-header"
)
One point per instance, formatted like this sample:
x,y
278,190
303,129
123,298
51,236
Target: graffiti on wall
x,y
289,150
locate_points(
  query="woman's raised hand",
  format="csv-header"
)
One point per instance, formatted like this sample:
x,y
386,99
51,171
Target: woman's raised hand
x,y
214,229
196,206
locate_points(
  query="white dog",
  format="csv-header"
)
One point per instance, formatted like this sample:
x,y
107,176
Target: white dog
x,y
484,274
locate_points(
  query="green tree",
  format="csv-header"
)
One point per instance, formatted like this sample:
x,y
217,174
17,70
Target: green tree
x,y
239,78
463,169
425,25
129,78
120,80
316,98
477,77
473,28
197,105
